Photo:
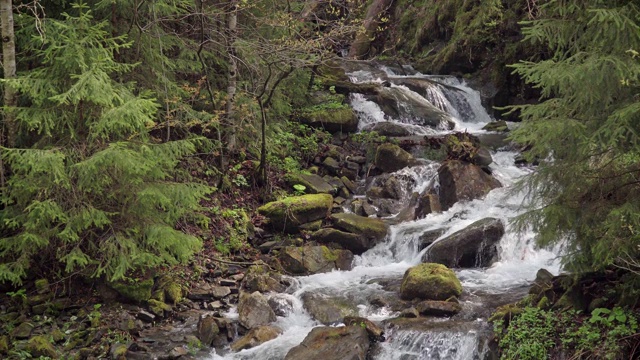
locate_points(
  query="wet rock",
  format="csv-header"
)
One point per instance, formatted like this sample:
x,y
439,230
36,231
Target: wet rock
x,y
428,238
398,103
118,351
215,305
256,337
391,158
498,126
313,184
386,128
355,243
159,308
429,282
350,185
178,352
358,159
220,292
333,120
427,203
332,343
207,330
23,331
473,246
314,259
542,283
138,292
40,346
409,313
460,181
146,316
482,158
328,310
438,308
254,310
376,333
289,213
373,229
332,165
282,305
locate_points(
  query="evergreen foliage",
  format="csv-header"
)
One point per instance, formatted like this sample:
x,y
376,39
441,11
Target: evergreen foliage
x,y
94,193
585,131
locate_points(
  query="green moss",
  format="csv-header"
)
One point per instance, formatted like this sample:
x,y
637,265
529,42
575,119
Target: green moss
x,y
139,291
289,213
158,307
328,254
4,344
543,303
505,313
430,281
40,346
173,292
42,285
369,227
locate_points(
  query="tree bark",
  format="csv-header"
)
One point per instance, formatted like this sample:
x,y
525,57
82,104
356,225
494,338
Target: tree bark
x,y
9,67
232,76
360,46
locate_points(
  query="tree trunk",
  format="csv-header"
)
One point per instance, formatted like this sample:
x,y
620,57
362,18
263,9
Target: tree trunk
x,y
232,77
9,65
360,47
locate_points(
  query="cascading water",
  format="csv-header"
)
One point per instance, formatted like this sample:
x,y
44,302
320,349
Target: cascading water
x,y
465,336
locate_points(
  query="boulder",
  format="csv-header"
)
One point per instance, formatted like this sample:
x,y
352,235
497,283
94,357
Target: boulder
x,y
498,126
340,119
376,333
398,102
429,282
332,343
289,213
391,158
462,181
429,237
313,184
139,291
331,165
40,346
428,203
355,243
256,337
482,158
438,308
207,330
281,304
314,259
328,310
372,229
473,246
261,278
386,128
254,310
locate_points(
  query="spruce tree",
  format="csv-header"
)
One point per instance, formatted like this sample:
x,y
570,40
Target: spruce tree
x,y
585,130
93,193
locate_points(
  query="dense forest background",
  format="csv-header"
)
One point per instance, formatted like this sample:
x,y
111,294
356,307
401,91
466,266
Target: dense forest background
x,y
138,135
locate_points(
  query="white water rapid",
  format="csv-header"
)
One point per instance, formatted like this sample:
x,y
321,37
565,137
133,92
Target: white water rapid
x,y
464,336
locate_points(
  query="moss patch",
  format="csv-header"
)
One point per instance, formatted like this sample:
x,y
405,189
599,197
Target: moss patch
x,y
40,346
289,213
430,281
138,292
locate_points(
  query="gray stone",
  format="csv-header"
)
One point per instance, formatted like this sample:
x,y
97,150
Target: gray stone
x,y
355,243
207,329
332,343
438,308
473,246
313,184
254,310
328,310
391,158
460,181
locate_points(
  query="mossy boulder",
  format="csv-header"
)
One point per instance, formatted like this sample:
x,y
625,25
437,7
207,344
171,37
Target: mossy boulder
x,y
256,337
314,259
498,126
40,346
261,278
289,213
429,282
462,181
138,291
159,308
328,310
22,331
4,344
207,330
371,228
355,243
338,118
313,184
391,158
254,310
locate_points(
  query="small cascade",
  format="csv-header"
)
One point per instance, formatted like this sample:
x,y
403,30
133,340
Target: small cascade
x,y
377,271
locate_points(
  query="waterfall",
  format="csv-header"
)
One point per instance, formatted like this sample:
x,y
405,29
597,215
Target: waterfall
x,y
519,259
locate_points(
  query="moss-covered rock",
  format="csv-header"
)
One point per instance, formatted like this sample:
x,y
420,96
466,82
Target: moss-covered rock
x,y
390,158
22,331
314,259
498,126
207,330
4,344
289,213
328,310
261,278
139,291
42,286
505,313
159,308
40,346
338,118
256,337
313,184
370,228
429,282
355,243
